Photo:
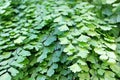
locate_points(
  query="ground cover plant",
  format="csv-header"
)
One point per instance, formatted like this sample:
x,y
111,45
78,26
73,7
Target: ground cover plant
x,y
59,40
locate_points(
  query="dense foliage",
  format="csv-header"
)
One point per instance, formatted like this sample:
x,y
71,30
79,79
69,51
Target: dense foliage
x,y
59,40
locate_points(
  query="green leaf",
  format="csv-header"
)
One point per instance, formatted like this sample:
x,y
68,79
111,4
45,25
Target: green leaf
x,y
4,62
106,28
95,78
20,59
13,71
19,40
3,71
107,11
63,28
5,76
92,33
103,57
83,53
70,49
64,40
85,68
28,46
111,55
76,32
84,76
24,53
49,40
111,61
75,68
111,39
118,18
91,58
41,77
109,75
54,66
46,50
93,43
115,68
5,55
58,19
111,45
77,18
41,25
84,29
42,57
83,38
64,72
14,63
2,11
56,56
110,1
113,19
51,71
81,62
101,71
5,35
100,51
32,36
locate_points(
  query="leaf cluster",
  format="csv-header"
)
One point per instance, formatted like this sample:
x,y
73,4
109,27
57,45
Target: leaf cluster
x,y
59,40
